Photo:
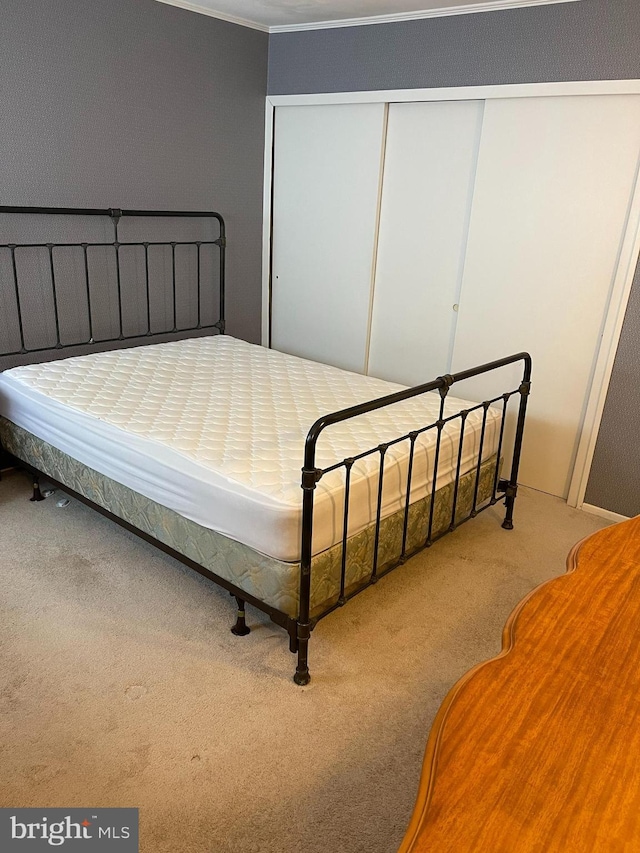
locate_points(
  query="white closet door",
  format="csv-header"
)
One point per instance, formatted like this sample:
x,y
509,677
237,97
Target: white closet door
x,y
327,165
553,187
429,172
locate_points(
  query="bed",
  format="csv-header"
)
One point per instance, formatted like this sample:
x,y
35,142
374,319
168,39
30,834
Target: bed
x,y
196,443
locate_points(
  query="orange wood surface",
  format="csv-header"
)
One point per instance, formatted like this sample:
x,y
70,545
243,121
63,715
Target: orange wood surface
x,y
539,748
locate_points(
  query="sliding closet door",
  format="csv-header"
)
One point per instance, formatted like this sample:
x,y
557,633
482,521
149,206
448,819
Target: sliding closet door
x,y
327,164
429,172
553,187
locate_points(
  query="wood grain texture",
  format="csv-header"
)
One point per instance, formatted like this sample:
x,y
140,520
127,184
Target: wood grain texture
x,y
538,749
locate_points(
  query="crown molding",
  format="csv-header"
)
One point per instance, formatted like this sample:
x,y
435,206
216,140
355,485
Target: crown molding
x,y
443,12
212,13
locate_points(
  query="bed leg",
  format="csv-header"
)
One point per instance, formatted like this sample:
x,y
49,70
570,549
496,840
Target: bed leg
x,y
509,501
37,494
302,676
292,630
240,629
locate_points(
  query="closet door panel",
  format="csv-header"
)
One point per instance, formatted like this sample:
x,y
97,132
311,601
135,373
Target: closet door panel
x,y
327,164
429,171
553,188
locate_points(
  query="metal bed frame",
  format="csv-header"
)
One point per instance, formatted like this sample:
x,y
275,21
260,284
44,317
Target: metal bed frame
x,y
299,629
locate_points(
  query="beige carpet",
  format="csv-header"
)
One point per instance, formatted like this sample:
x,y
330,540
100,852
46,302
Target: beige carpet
x,y
123,686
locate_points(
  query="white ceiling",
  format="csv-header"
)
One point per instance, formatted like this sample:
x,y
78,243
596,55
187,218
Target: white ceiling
x,y
283,15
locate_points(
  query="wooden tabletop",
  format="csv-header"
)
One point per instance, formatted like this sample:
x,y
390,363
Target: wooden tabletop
x,y
539,748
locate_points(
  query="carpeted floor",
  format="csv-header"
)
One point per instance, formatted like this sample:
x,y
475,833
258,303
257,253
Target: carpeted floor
x,y
123,686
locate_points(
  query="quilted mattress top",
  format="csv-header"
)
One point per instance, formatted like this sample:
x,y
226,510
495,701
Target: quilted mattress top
x,y
214,428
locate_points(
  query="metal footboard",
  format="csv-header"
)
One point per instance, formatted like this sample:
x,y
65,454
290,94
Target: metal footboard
x,y
311,476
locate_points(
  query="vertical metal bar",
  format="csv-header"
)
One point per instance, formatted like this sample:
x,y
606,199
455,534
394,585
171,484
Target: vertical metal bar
x,y
310,478
117,250
405,527
476,488
115,217
374,571
17,292
444,390
496,476
345,528
55,295
301,675
432,505
463,421
198,273
223,250
173,284
512,488
88,289
146,283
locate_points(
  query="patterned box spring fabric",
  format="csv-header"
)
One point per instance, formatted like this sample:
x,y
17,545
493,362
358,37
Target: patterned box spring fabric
x,y
272,581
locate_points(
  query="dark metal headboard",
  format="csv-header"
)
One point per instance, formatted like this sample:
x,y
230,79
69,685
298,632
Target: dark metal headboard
x,y
115,215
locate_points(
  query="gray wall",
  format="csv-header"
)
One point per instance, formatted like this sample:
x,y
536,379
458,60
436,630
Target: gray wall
x,y
137,104
588,40
614,482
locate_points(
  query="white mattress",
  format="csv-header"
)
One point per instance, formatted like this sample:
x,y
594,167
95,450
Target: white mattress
x,y
214,429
